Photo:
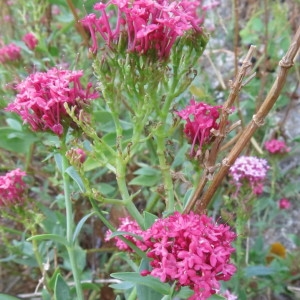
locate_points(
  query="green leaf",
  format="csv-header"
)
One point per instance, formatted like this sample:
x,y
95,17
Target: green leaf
x,y
216,297
79,226
149,281
61,289
14,124
147,293
259,270
52,237
52,280
106,189
58,161
8,297
184,293
144,180
149,219
122,233
147,171
76,177
124,285
16,141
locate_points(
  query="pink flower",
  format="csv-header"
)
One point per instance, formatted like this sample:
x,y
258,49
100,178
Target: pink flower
x,y
284,203
250,169
229,296
130,226
191,250
41,98
81,155
200,118
30,40
149,25
12,187
276,147
9,53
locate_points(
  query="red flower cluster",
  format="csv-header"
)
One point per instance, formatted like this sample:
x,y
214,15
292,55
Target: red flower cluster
x,y
10,52
276,147
12,187
148,24
41,98
200,118
189,249
30,40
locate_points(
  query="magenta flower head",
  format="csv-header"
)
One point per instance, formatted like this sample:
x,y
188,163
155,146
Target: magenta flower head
x,y
30,40
81,155
126,225
276,147
284,203
147,25
192,250
41,98
200,119
12,188
251,170
10,53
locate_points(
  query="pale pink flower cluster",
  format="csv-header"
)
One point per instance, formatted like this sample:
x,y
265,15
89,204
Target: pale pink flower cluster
x,y
190,249
200,119
147,24
10,53
30,40
42,95
276,147
229,296
250,169
127,225
12,187
284,203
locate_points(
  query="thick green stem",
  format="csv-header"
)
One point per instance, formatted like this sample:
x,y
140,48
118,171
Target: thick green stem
x,y
70,227
165,170
121,168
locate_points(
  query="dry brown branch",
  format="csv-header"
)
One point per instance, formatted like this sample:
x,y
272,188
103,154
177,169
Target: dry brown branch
x,y
78,25
235,89
258,120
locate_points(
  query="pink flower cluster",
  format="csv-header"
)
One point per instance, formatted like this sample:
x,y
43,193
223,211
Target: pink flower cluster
x,y
30,40
127,225
10,53
200,119
148,24
276,147
250,169
12,187
284,203
41,98
229,296
189,249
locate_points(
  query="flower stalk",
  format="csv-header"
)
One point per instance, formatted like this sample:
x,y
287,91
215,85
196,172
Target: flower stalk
x,y
70,225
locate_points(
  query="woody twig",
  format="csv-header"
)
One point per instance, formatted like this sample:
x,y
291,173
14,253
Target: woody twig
x,y
221,133
257,120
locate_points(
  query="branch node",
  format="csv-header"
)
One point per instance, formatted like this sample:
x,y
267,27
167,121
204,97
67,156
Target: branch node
x,y
285,63
225,162
258,122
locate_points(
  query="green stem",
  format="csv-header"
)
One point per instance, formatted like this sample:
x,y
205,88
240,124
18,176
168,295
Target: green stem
x,y
165,170
70,226
40,264
127,200
132,295
113,229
